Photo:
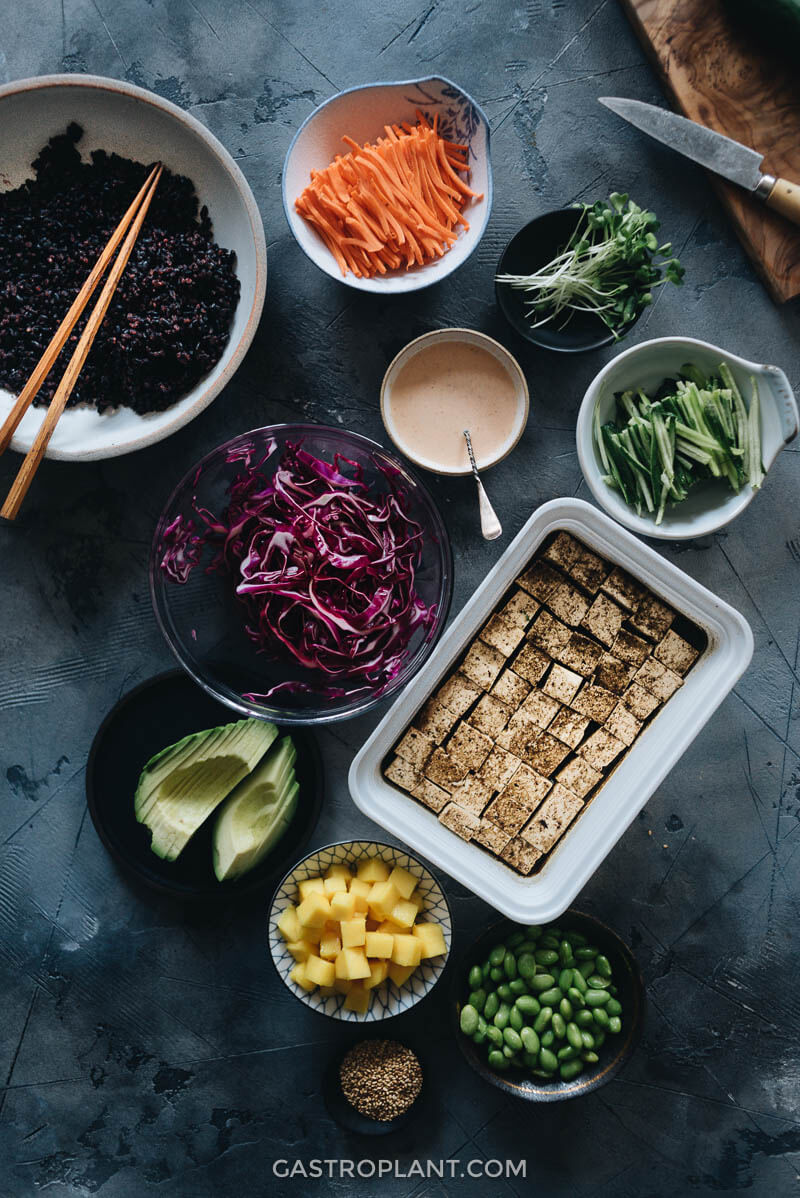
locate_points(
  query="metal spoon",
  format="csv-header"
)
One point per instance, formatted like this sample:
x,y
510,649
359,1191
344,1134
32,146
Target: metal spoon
x,y
490,525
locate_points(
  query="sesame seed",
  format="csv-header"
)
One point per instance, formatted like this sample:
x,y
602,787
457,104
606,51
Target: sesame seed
x,y
381,1078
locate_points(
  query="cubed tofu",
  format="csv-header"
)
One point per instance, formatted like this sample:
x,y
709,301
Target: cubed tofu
x,y
490,716
354,932
520,608
539,580
630,648
492,837
595,702
433,796
300,949
482,664
382,898
527,787
444,771
471,794
676,653
502,633
604,619
469,747
415,747
460,821
539,709
552,819
613,674
508,812
435,720
431,937
330,946
354,964
400,973
639,701
314,910
372,869
562,684
568,604
379,944
298,975
339,871
658,679
579,654
652,618
379,971
531,663
458,693
403,774
623,724
601,748
562,550
321,973
288,924
545,754
588,569
520,734
520,855
404,882
625,589
498,768
569,726
343,905
309,886
549,634
407,950
510,688
404,913
579,777
335,885
358,1000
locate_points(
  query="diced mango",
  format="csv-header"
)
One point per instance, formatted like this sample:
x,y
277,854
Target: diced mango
x,y
321,973
356,964
343,905
330,946
298,975
403,881
335,885
310,886
400,973
360,889
314,935
372,870
354,932
431,937
378,972
404,913
314,910
300,949
289,925
358,1000
379,944
382,898
326,991
339,871
417,900
407,950
389,927
342,985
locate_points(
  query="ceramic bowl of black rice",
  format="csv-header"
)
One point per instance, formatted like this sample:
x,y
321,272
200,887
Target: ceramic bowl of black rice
x,y
74,151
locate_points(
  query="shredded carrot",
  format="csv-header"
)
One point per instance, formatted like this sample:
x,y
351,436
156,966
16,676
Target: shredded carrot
x,y
396,202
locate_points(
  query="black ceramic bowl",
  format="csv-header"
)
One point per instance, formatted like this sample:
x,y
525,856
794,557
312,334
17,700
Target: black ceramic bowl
x,y
536,244
155,714
613,1054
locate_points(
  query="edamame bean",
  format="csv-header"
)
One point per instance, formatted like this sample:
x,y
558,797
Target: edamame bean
x,y
591,1058
515,1019
512,1039
548,1060
567,1053
534,931
548,1038
508,1053
578,939
517,987
614,1007
596,998
516,939
546,956
603,966
575,1036
485,969
497,955
542,981
549,940
475,977
599,1039
601,1018
528,1005
469,1020
575,997
582,1018
491,1006
480,1034
615,1025
526,965
565,980
510,965
504,992
550,997
579,981
527,946
496,974
530,1041
559,1025
501,1018
585,954
570,1070
587,1039
477,999
497,1060
595,982
542,1019
565,1007
565,953
494,1035
585,968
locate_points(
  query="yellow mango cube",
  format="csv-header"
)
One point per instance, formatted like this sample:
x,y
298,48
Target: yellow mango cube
x,y
403,881
417,899
298,975
431,937
330,946
311,886
379,944
389,927
342,985
407,950
358,1000
314,935
382,898
335,885
289,925
400,973
354,932
300,949
404,913
343,905
339,871
314,910
360,889
321,973
378,972
356,964
372,869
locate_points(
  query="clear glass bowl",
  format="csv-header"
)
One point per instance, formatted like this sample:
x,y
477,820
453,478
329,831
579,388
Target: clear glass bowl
x,y
204,623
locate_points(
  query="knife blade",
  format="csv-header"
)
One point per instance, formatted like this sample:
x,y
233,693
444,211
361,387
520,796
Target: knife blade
x,y
721,154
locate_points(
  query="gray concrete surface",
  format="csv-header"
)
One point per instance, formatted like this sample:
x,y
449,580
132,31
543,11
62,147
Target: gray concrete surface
x,y
146,1052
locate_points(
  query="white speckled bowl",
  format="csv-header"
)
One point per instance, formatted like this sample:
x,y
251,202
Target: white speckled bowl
x,y
134,122
361,113
388,999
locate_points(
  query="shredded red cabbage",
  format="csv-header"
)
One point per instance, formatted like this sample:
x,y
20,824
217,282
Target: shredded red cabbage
x,y
324,568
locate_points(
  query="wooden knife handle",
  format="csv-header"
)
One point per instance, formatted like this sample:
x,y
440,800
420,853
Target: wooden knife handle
x,y
785,198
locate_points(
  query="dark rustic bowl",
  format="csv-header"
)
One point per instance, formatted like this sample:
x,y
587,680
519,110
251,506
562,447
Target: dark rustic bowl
x,y
614,1053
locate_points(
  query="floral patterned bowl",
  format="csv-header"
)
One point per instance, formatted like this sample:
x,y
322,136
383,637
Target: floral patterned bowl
x,y
388,999
361,113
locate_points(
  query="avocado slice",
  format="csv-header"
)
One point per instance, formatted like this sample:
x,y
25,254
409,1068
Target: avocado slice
x,y
180,786
257,813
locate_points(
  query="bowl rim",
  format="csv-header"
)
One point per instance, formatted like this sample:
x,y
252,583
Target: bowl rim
x,y
591,1082
531,335
373,285
209,391
291,717
377,844
584,440
447,334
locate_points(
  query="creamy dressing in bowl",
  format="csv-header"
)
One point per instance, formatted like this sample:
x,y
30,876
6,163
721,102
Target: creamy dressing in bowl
x,y
447,381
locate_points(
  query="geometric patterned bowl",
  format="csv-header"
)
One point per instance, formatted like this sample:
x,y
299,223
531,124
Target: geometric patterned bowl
x,y
388,999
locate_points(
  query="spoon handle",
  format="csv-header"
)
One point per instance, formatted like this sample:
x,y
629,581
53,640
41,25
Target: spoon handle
x,y
490,525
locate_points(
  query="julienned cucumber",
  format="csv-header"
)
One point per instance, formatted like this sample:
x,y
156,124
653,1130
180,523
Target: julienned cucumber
x,y
695,427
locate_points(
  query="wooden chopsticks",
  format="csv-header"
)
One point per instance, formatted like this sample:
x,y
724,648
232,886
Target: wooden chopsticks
x,y
136,213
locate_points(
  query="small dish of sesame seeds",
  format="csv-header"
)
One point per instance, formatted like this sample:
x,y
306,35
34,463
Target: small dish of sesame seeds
x,y
375,1087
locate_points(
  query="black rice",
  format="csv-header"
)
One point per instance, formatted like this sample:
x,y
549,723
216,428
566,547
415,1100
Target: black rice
x,y
170,318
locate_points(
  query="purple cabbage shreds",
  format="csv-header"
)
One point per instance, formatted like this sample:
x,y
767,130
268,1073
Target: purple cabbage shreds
x,y
325,569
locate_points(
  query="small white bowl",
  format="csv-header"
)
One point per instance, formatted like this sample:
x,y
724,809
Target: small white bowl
x,y
469,337
137,124
388,999
361,113
709,505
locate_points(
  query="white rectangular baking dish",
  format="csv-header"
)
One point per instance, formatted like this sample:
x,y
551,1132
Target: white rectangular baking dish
x,y
547,894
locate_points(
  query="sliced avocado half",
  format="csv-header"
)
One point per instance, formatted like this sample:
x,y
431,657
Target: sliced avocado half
x,y
256,814
180,786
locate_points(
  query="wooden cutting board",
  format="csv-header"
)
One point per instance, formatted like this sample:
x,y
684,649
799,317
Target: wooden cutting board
x,y
717,77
